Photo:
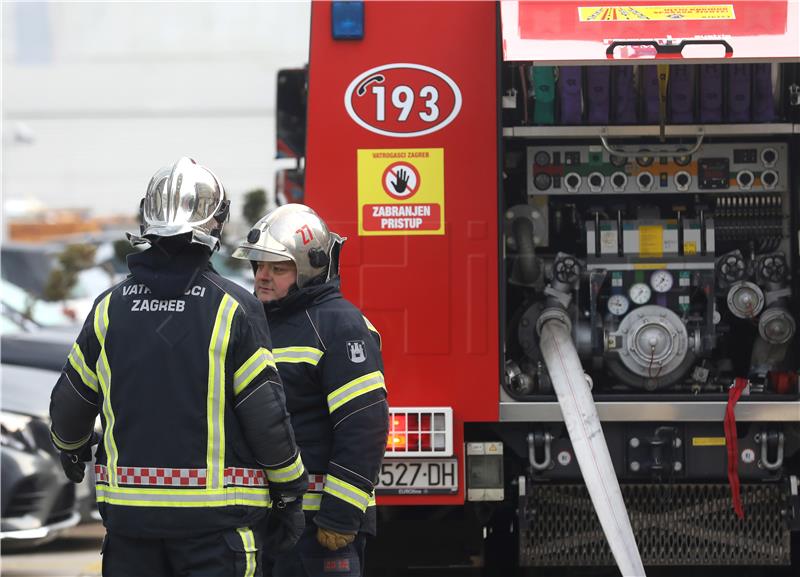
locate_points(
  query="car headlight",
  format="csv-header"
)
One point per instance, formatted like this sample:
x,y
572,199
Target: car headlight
x,y
14,432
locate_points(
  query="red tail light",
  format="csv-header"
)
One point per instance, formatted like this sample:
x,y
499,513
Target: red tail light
x,y
419,432
397,434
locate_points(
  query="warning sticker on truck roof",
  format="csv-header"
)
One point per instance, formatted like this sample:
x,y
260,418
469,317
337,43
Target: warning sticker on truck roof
x,y
673,12
401,192
586,32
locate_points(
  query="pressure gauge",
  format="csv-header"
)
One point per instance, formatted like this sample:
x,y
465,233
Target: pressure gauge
x,y
542,181
618,305
640,293
542,158
661,281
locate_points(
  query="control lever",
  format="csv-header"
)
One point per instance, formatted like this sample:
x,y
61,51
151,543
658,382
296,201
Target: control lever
x,y
702,232
663,83
675,150
597,235
666,50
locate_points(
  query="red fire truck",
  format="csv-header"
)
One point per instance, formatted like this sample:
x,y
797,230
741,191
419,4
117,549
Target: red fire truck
x,y
575,224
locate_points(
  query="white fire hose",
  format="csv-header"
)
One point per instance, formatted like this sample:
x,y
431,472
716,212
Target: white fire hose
x,y
588,441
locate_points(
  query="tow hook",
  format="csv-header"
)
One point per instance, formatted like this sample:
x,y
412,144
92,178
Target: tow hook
x,y
663,452
771,444
539,443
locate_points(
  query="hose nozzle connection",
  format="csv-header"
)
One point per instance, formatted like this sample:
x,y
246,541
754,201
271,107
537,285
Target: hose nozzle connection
x,y
553,314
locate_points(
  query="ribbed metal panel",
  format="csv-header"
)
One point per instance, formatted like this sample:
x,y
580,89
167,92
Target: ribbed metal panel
x,y
674,525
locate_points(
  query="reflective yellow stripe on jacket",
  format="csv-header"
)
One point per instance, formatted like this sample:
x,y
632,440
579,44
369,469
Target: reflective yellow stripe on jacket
x,y
287,474
148,497
101,324
355,388
65,446
215,401
249,542
347,492
313,501
251,368
308,355
78,363
371,327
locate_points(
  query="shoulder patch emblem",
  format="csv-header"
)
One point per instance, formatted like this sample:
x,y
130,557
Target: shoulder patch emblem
x,y
356,351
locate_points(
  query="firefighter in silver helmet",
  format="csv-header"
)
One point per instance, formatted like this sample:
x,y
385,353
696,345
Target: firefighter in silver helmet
x,y
328,356
196,439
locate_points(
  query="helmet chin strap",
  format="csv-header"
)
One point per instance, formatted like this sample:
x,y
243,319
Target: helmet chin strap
x,y
223,212
317,258
334,255
141,217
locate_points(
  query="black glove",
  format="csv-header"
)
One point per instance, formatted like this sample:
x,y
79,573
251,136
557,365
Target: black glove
x,y
73,467
74,463
285,524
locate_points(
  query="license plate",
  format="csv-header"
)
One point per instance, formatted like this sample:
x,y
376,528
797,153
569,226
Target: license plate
x,y
418,477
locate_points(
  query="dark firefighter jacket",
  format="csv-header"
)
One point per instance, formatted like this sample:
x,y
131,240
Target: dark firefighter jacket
x,y
328,355
177,362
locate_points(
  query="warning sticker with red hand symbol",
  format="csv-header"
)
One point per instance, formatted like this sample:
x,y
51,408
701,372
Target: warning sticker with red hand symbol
x,y
401,192
401,180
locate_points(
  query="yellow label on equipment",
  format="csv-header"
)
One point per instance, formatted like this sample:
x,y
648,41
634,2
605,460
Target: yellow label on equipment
x,y
708,441
671,12
651,240
689,247
401,191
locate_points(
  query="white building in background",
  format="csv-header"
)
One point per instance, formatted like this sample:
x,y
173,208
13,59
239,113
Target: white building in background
x,y
97,96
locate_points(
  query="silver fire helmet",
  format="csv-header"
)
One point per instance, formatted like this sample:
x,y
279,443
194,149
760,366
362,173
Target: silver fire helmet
x,y
184,198
297,233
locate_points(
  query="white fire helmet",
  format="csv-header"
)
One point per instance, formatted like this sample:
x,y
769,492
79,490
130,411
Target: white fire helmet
x,y
184,198
294,232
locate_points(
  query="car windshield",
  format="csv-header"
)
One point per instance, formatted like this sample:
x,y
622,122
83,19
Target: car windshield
x,y
20,310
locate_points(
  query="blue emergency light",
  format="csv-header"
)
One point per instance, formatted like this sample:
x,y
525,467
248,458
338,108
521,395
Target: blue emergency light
x,y
347,17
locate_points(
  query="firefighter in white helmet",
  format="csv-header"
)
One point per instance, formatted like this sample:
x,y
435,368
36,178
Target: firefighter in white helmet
x,y
328,356
177,361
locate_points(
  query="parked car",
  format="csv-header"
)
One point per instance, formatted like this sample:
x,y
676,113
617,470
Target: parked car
x,y
38,502
23,311
30,266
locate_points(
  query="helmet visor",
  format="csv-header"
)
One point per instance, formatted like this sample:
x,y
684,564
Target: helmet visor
x,y
250,252
263,247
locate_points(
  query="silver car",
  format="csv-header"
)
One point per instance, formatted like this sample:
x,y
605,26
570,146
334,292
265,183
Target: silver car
x,y
38,502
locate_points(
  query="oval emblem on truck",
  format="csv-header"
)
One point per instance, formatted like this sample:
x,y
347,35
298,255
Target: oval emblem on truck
x,y
403,100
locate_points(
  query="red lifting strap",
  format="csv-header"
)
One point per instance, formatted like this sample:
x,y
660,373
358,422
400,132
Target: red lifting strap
x,y
732,444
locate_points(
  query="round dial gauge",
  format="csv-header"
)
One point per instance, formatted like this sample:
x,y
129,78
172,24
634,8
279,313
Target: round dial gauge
x,y
542,158
640,293
618,305
661,281
542,181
